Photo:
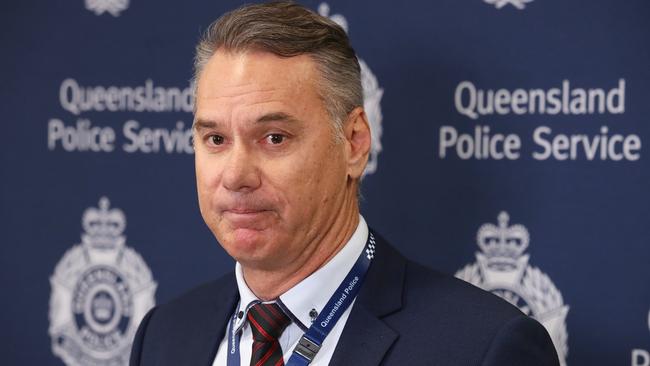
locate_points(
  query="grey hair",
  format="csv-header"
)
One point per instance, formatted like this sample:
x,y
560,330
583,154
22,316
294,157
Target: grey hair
x,y
287,29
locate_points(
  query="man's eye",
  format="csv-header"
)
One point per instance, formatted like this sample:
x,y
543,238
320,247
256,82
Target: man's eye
x,y
275,138
216,139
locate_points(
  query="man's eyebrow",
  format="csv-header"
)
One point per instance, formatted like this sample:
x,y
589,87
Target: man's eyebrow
x,y
278,117
204,124
269,117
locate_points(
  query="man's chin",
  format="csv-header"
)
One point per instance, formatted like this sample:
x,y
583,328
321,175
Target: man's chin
x,y
245,242
248,237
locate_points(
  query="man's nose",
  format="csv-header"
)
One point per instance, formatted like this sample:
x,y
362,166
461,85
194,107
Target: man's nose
x,y
240,171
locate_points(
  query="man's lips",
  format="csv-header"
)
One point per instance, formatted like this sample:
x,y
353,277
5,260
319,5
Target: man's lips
x,y
250,218
243,211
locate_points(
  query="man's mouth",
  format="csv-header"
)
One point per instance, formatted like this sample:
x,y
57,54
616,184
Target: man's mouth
x,y
245,217
244,210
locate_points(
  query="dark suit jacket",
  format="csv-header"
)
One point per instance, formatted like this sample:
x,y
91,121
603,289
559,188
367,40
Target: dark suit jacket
x,y
405,314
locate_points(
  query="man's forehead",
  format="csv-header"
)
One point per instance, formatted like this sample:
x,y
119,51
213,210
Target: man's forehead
x,y
238,72
253,84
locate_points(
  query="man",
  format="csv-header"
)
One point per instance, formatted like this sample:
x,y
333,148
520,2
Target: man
x,y
281,142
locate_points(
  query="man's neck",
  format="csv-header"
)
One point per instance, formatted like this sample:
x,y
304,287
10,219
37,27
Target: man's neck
x,y
269,285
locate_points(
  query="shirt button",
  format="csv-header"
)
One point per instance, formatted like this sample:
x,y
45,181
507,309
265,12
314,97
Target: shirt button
x,y
313,314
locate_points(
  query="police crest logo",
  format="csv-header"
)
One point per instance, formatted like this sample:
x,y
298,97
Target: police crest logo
x,y
113,7
502,268
101,290
519,4
372,94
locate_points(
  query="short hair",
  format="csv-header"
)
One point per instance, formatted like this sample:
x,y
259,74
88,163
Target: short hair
x,y
287,29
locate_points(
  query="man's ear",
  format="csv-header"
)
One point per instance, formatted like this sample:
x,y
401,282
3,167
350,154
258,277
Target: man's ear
x,y
357,140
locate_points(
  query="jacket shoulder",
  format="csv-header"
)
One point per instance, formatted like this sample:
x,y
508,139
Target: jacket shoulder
x,y
199,300
451,317
437,316
187,329
464,324
428,288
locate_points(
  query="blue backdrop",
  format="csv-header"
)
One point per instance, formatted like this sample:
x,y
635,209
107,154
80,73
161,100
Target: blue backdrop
x,y
510,141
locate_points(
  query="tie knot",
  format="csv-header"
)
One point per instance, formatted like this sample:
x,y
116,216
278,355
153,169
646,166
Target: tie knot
x,y
267,321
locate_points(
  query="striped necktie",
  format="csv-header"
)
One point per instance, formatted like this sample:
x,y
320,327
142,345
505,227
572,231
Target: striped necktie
x,y
267,323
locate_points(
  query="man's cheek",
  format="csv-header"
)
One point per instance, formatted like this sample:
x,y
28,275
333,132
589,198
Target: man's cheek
x,y
208,176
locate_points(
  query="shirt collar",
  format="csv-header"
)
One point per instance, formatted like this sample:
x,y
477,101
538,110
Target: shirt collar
x,y
314,291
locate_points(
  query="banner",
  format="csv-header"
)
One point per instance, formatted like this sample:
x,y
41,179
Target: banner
x,y
508,149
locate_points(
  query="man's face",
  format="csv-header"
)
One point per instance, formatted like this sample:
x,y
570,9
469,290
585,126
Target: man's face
x,y
270,177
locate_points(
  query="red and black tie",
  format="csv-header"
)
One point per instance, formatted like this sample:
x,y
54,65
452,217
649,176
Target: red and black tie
x,y
267,323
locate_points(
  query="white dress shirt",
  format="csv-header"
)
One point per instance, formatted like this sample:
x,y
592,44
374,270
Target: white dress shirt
x,y
311,293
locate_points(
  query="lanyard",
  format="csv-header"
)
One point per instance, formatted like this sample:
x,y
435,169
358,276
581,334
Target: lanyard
x,y
311,342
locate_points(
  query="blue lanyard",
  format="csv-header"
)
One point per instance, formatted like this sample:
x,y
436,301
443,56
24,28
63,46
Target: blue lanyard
x,y
311,342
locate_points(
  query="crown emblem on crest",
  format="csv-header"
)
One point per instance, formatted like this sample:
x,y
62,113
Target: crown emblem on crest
x,y
113,7
519,4
103,226
324,10
502,244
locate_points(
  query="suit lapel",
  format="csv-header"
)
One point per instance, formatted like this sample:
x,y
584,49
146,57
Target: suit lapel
x,y
213,327
366,338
